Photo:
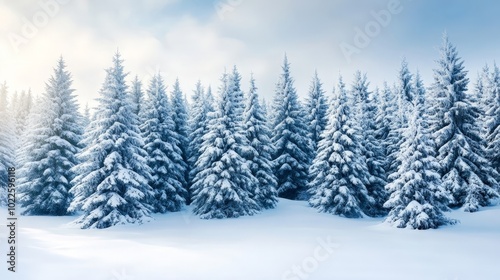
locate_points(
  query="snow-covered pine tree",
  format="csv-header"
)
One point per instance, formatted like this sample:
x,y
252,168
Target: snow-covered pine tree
x,y
201,112
316,107
46,172
417,197
493,119
221,187
338,171
465,171
403,97
293,148
7,144
21,107
181,128
372,149
161,143
259,135
112,186
387,114
137,97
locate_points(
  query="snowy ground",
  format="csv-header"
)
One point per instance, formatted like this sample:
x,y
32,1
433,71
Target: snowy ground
x,y
290,242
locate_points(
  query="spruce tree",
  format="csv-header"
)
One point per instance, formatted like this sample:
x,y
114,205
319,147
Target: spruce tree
x,y
7,144
338,171
222,186
493,119
465,171
371,148
47,171
137,96
181,129
164,155
417,196
112,186
316,107
259,157
293,148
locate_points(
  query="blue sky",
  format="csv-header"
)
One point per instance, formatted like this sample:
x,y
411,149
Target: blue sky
x,y
198,39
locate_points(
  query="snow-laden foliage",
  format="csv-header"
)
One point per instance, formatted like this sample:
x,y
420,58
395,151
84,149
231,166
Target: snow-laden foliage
x,y
201,112
259,157
181,129
222,187
7,144
47,173
316,107
164,155
112,185
371,147
465,171
492,99
137,96
417,196
293,147
338,171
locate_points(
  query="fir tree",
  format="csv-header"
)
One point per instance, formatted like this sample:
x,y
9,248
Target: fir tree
x,y
137,97
417,195
47,173
372,149
222,186
161,143
492,119
338,170
259,136
293,148
465,171
316,107
181,129
6,143
112,183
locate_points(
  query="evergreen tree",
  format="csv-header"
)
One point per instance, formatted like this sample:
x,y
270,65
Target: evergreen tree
x,y
21,108
493,119
222,185
417,195
338,170
47,174
6,143
403,97
465,171
161,143
181,129
372,149
112,183
137,97
316,107
259,136
293,148
200,115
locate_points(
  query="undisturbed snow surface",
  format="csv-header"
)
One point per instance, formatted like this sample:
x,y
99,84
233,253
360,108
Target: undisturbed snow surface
x,y
289,242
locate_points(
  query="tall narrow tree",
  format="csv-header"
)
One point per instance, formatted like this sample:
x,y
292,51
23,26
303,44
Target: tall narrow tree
x,y
181,128
493,119
112,186
161,143
372,149
47,172
417,195
316,107
259,156
465,171
7,144
338,170
293,148
221,187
